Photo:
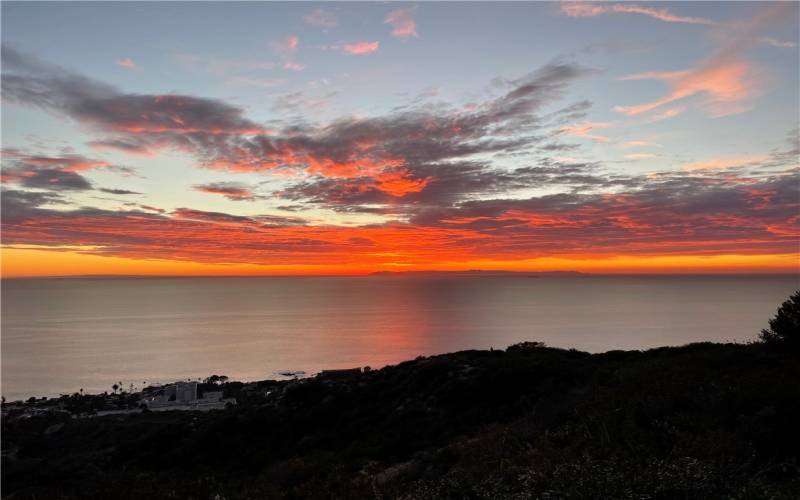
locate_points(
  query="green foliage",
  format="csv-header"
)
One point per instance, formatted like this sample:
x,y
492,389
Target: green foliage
x,y
784,328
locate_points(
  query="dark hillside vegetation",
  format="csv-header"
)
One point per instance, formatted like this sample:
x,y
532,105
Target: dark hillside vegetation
x,y
699,421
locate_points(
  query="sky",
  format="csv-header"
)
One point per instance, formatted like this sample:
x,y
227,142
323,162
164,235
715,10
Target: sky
x,y
346,138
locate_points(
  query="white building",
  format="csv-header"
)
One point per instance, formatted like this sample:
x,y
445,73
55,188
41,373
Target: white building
x,y
186,392
183,396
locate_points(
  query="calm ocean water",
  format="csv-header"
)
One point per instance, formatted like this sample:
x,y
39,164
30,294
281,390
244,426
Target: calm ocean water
x,y
59,335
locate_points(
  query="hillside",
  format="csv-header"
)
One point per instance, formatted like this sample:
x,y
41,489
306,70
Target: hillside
x,y
699,421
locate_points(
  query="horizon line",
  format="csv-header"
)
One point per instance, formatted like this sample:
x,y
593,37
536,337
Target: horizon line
x,y
378,274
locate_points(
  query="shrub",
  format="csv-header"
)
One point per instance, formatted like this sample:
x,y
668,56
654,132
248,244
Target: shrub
x,y
784,328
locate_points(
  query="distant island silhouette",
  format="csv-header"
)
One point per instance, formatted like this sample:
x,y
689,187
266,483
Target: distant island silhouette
x,y
478,272
470,272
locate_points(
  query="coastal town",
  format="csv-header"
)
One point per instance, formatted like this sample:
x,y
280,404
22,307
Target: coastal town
x,y
212,393
177,396
183,396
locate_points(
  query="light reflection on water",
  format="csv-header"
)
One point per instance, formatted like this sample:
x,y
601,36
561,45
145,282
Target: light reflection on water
x,y
59,335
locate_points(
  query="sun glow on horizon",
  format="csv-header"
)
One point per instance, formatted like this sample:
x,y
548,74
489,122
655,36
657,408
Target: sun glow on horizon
x,y
28,262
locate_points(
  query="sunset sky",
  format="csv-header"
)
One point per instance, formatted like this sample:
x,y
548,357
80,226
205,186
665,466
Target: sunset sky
x,y
339,138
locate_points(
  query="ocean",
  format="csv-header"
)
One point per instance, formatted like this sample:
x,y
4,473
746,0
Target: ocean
x,y
63,334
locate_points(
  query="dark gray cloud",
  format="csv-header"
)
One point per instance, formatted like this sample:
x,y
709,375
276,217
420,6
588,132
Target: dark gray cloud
x,y
235,191
681,214
129,146
448,184
573,112
219,135
301,103
675,204
50,178
353,163
558,147
118,191
253,221
20,205
141,121
57,173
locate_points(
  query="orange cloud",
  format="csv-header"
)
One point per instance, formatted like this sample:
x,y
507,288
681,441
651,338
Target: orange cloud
x,y
667,114
725,84
725,80
285,46
585,129
126,62
402,22
387,174
710,216
398,184
69,163
358,48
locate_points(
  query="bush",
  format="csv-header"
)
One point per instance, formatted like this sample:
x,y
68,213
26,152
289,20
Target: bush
x,y
784,328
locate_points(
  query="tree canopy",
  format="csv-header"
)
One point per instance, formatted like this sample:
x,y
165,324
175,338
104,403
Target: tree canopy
x,y
784,328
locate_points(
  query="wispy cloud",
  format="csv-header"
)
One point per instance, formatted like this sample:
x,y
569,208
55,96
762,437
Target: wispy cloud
x,y
231,190
724,163
356,48
403,23
222,67
301,103
323,18
640,156
726,80
777,43
667,114
640,144
592,9
585,130
285,46
294,66
286,49
119,192
726,83
127,62
255,82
